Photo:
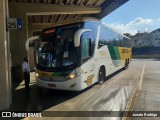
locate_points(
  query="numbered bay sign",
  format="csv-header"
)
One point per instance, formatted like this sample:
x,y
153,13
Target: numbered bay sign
x,y
14,23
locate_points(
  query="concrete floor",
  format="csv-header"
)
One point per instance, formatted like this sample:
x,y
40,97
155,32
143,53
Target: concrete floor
x,y
148,98
53,100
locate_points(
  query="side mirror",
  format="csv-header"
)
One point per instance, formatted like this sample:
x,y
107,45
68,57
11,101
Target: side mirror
x,y
100,45
30,39
78,34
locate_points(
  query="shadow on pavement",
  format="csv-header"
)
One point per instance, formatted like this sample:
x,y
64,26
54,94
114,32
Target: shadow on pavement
x,y
35,101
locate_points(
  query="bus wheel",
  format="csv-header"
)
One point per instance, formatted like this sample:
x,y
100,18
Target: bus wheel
x,y
126,64
101,75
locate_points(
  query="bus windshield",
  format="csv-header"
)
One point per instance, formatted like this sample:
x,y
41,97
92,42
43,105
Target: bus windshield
x,y
57,47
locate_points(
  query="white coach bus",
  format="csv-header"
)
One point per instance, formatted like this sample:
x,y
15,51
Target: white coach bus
x,y
77,53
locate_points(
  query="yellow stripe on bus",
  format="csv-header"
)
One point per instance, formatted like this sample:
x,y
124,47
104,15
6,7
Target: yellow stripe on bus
x,y
124,53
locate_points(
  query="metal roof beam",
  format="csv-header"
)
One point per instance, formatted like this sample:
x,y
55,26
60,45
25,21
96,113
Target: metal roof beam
x,y
110,5
39,26
50,9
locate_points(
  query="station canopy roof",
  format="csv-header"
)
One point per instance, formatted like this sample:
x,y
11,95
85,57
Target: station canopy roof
x,y
94,8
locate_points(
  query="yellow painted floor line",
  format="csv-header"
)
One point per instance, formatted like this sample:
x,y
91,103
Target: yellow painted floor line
x,y
141,78
133,95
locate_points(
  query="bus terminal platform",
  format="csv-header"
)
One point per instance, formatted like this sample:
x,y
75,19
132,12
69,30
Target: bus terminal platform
x,y
134,89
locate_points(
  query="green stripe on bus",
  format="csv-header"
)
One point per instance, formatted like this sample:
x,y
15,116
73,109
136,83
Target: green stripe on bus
x,y
61,73
114,52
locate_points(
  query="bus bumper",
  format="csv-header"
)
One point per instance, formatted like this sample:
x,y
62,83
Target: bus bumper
x,y
71,85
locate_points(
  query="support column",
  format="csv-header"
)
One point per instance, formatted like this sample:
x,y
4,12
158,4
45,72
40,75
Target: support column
x,y
18,37
5,88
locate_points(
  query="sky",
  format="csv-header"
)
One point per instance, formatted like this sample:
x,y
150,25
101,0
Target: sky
x,y
135,16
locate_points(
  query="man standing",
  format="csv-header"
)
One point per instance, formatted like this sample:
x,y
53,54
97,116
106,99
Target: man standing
x,y
26,71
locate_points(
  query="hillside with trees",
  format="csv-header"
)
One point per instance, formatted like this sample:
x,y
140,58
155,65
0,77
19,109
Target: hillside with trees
x,y
146,43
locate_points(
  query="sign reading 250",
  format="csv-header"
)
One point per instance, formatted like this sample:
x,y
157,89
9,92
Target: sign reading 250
x,y
14,23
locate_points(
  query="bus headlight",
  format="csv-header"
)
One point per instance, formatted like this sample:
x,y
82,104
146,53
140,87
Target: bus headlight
x,y
37,75
71,76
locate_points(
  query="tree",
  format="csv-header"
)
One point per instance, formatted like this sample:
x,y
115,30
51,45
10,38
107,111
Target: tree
x,y
127,34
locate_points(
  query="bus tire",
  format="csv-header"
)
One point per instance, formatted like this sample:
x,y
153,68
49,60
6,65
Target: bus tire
x,y
101,75
126,64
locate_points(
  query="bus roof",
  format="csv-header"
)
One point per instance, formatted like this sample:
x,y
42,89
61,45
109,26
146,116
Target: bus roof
x,y
82,19
115,30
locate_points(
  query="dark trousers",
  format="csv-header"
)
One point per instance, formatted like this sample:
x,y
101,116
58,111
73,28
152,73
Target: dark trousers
x,y
27,80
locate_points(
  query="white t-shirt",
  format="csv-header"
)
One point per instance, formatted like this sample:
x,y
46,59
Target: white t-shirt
x,y
25,65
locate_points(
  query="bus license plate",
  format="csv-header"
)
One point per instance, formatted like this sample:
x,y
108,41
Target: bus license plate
x,y
51,85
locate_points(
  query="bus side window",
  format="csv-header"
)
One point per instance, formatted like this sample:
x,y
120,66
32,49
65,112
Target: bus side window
x,y
86,48
102,36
